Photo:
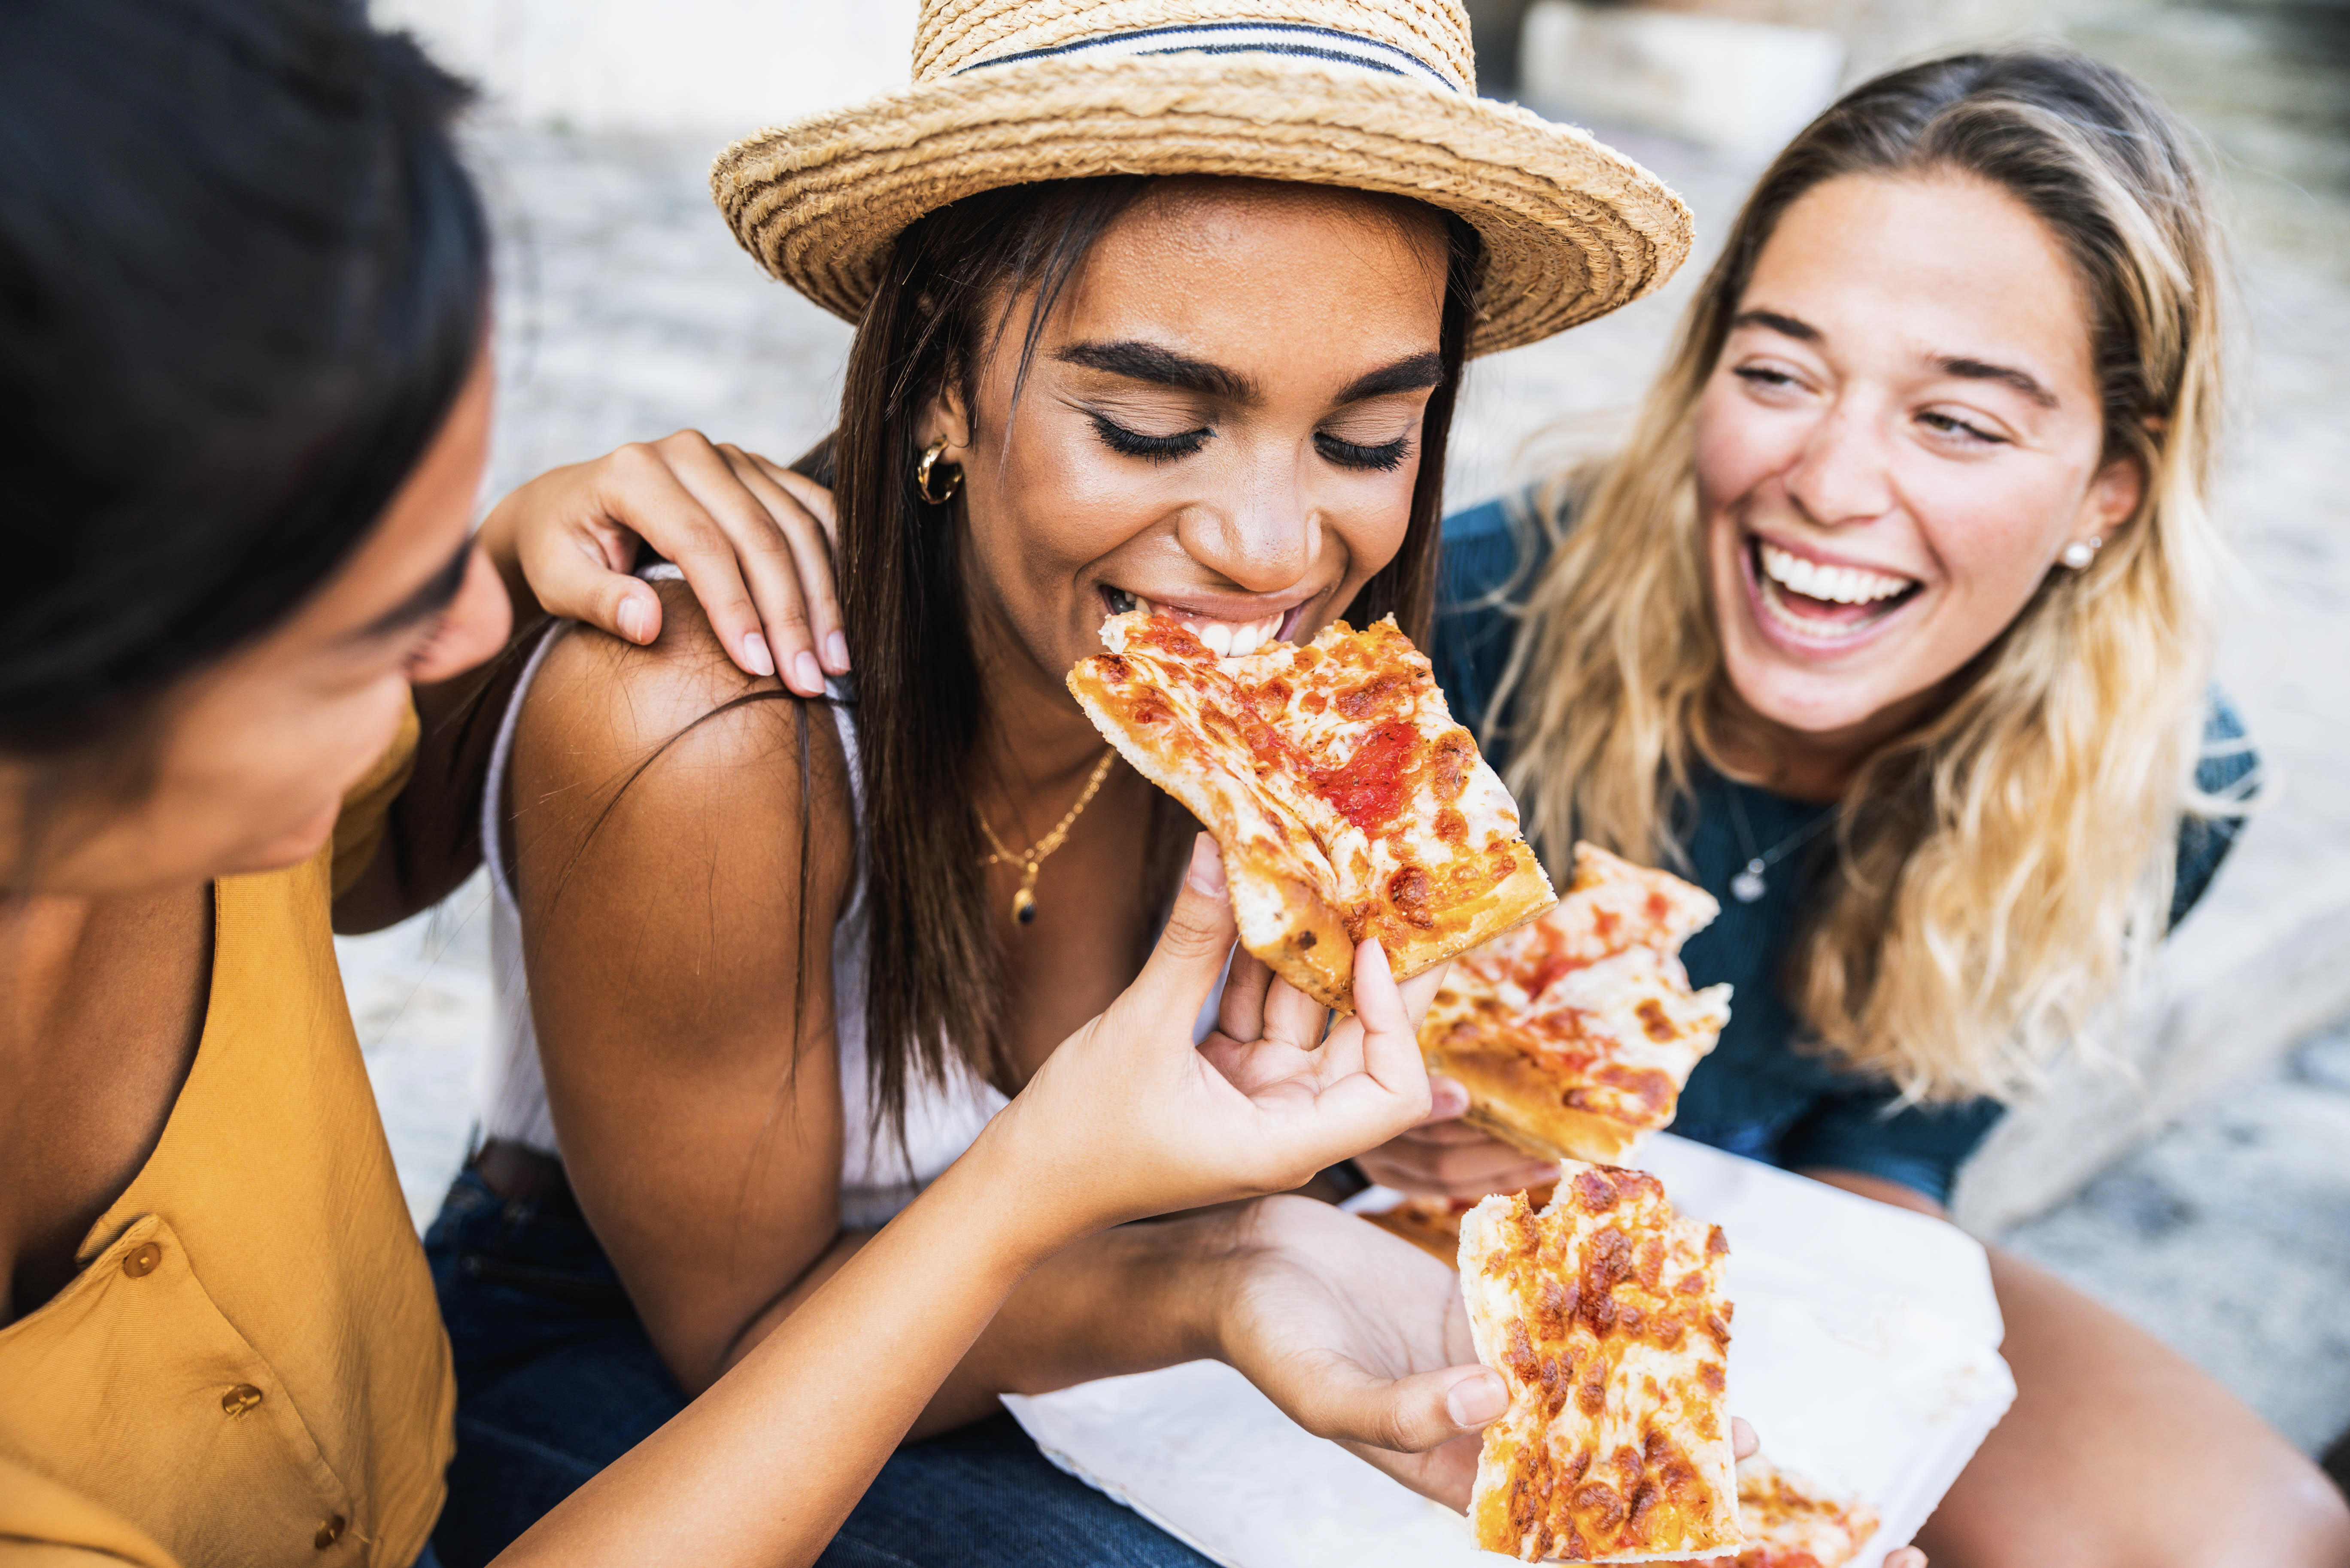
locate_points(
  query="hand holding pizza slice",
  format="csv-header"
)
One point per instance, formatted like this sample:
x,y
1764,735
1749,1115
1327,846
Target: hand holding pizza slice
x,y
1347,803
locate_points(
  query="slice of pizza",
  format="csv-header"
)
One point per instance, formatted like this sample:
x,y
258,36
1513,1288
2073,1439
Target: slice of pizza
x,y
1575,1033
1433,1224
1604,1314
1347,803
1610,907
1792,1522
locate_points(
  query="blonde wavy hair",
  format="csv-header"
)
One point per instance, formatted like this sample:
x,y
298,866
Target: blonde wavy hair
x,y
2005,865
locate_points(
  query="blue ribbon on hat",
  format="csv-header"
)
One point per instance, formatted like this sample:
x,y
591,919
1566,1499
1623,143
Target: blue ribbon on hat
x,y
1296,40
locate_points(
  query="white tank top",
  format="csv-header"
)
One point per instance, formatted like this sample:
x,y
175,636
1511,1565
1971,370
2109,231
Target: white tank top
x,y
876,1179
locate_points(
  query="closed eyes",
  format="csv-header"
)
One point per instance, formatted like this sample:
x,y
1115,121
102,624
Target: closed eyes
x,y
1385,457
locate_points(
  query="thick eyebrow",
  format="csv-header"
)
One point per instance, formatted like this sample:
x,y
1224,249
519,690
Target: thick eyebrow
x,y
1160,367
1415,373
1981,370
431,597
1801,331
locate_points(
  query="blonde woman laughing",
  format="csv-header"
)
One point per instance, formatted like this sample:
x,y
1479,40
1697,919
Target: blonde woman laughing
x,y
1892,625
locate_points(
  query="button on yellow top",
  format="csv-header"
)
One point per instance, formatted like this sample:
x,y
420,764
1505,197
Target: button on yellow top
x,y
329,1532
140,1262
240,1399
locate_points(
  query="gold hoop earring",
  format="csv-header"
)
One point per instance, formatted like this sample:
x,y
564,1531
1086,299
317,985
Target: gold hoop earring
x,y
922,474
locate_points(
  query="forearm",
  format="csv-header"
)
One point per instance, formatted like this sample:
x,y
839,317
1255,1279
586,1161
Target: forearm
x,y
1127,1300
763,1466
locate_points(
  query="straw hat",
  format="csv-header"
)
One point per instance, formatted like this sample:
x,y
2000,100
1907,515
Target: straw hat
x,y
1377,95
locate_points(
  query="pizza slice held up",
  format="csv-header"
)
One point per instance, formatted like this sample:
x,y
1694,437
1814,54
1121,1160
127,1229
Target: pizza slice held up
x,y
1604,1314
1575,1033
1346,800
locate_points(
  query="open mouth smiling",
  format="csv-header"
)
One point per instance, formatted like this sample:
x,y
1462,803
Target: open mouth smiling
x,y
1818,603
1226,638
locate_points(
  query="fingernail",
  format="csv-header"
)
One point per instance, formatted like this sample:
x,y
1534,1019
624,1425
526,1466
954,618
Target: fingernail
x,y
1474,1401
1206,874
836,647
755,657
806,675
1446,1098
632,619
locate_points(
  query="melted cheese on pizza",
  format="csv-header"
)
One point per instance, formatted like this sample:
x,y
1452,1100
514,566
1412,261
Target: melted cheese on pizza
x,y
1791,1523
1611,907
1347,803
1575,1033
1604,1312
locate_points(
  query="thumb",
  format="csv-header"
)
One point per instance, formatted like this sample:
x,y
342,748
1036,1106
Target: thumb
x,y
1405,1415
578,580
1190,956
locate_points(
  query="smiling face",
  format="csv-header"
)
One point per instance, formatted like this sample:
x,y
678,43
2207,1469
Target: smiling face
x,y
1902,436
256,753
1221,422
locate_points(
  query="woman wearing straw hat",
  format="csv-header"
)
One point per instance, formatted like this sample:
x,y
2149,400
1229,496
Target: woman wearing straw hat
x,y
240,484
1160,304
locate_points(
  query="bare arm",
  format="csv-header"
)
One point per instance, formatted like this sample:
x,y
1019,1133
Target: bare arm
x,y
683,845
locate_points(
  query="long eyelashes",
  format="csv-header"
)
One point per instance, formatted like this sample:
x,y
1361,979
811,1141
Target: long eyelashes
x,y
1385,457
1154,448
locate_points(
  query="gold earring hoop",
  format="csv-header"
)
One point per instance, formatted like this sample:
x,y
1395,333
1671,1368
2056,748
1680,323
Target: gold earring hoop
x,y
922,474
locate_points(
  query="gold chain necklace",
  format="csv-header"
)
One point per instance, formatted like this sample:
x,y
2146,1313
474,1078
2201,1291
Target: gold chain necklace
x,y
1024,902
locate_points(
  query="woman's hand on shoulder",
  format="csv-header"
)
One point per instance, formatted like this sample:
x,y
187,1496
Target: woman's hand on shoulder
x,y
1130,1118
754,539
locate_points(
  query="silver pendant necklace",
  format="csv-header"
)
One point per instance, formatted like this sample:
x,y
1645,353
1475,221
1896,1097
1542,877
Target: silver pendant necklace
x,y
1749,885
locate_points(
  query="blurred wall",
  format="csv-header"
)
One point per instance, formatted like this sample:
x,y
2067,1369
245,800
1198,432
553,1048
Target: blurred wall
x,y
709,67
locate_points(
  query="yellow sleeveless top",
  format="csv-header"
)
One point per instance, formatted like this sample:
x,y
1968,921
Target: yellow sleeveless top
x,y
249,1367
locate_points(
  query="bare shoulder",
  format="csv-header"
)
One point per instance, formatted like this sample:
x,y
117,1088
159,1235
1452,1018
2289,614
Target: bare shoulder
x,y
673,741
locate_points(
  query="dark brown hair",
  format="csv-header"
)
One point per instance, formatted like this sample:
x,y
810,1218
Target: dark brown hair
x,y
935,974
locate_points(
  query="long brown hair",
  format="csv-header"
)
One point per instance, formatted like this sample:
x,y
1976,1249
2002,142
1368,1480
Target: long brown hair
x,y
935,973
2003,866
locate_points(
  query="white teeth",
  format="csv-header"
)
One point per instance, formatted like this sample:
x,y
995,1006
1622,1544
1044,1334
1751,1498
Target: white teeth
x,y
1837,585
1224,638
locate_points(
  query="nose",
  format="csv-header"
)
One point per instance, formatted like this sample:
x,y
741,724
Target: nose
x,y
1262,536
1843,475
471,628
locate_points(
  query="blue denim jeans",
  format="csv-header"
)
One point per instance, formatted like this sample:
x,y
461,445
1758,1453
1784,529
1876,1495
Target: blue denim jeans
x,y
556,1378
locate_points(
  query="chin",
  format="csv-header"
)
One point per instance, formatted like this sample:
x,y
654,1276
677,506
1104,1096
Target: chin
x,y
290,847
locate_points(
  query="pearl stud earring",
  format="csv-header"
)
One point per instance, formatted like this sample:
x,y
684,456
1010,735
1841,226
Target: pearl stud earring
x,y
2079,554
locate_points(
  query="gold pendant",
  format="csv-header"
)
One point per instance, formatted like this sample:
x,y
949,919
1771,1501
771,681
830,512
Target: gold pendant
x,y
1023,906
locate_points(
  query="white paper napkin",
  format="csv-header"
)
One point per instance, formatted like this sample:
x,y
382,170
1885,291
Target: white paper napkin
x,y
1865,1354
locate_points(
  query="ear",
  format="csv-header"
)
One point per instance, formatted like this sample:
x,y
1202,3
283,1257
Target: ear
x,y
2112,499
945,417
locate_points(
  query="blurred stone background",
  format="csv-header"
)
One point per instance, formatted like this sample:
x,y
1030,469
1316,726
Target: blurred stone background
x,y
2205,1192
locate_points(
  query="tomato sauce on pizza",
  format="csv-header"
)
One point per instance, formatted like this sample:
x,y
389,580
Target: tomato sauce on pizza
x,y
1347,803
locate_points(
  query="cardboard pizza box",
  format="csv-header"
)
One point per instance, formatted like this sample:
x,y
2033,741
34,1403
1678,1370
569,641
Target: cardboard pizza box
x,y
1867,1354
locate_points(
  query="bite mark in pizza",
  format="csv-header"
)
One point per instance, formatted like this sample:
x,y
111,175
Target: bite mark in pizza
x,y
1347,802
1604,1314
1575,1033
